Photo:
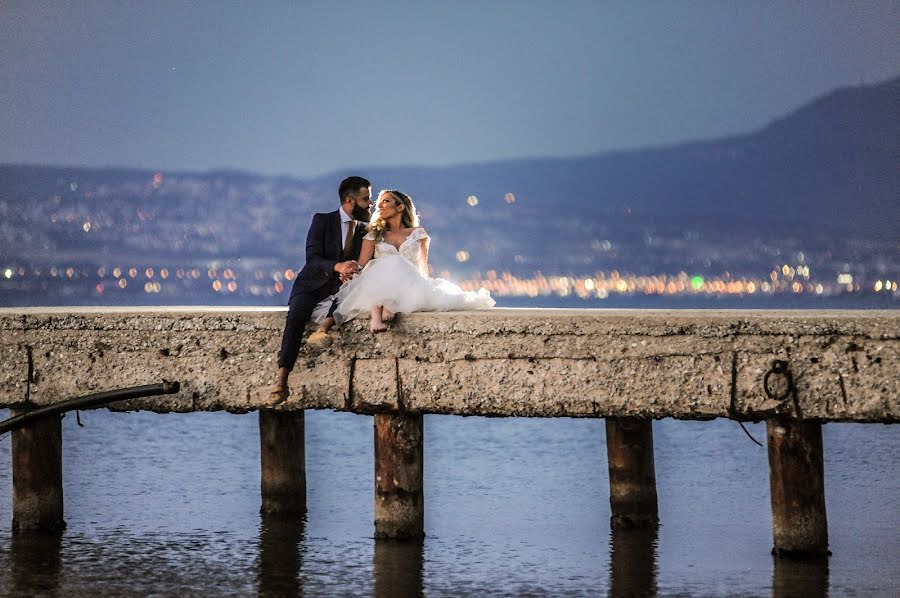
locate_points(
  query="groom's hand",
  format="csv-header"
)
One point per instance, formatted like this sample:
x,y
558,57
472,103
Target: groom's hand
x,y
346,269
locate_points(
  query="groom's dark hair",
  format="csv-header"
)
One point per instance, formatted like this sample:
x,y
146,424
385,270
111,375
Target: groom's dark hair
x,y
351,185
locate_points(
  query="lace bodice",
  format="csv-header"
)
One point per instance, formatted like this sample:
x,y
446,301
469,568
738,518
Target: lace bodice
x,y
410,248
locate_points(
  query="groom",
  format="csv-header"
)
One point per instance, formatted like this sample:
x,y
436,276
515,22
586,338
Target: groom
x,y
332,248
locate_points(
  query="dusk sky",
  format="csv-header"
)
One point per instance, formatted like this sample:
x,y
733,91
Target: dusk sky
x,y
302,88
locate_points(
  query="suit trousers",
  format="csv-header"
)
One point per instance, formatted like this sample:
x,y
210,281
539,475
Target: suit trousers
x,y
299,312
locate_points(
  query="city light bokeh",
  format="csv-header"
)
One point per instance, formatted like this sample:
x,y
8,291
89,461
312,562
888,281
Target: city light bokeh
x,y
156,279
200,239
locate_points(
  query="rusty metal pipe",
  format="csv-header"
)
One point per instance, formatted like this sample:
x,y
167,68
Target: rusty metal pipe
x,y
87,401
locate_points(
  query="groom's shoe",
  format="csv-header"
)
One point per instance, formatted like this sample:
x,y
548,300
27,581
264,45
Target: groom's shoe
x,y
278,394
319,339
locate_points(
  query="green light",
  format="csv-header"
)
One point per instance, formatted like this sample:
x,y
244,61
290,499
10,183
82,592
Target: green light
x,y
697,282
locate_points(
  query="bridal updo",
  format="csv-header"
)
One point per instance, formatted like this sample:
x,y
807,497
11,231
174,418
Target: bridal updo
x,y
409,218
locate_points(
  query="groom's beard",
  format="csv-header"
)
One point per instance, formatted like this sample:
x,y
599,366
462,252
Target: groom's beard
x,y
360,213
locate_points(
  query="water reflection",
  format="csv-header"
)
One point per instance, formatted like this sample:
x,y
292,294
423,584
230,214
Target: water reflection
x,y
632,568
399,568
36,563
800,577
280,556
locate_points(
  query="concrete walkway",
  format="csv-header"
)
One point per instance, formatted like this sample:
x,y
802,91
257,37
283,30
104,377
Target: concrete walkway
x,y
691,364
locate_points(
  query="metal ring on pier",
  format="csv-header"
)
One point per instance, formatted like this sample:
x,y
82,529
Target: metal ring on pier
x,y
779,367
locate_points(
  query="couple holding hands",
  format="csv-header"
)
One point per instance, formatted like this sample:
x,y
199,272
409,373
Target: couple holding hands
x,y
357,263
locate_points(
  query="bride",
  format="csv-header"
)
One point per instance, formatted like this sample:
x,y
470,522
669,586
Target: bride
x,y
394,276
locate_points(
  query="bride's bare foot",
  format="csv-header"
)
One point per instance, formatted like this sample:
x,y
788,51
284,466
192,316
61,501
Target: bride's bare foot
x,y
377,324
386,314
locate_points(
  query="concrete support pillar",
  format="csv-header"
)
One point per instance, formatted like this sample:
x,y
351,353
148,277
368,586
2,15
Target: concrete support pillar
x,y
37,476
283,461
632,477
797,483
399,496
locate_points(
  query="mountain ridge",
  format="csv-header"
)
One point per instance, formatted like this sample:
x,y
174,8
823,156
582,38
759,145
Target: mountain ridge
x,y
892,86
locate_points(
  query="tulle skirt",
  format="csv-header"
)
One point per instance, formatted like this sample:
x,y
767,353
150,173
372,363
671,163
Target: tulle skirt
x,y
395,283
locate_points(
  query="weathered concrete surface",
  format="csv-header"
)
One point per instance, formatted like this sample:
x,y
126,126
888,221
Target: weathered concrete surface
x,y
502,362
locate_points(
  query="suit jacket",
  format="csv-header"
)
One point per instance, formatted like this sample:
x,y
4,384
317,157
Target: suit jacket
x,y
324,249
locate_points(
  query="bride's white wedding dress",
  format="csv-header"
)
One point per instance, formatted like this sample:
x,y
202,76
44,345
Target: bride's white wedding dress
x,y
392,279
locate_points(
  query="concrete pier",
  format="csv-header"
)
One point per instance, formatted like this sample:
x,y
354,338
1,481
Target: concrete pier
x,y
794,369
797,482
37,476
686,364
399,494
632,476
283,463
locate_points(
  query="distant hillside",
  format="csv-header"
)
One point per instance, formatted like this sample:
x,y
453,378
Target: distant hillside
x,y
833,163
824,175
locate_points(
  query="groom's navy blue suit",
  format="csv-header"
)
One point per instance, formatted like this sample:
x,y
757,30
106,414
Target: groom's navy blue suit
x,y
317,280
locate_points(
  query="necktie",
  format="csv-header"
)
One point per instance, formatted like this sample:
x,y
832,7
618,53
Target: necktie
x,y
348,242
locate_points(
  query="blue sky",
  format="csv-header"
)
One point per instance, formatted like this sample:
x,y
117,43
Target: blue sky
x,y
306,88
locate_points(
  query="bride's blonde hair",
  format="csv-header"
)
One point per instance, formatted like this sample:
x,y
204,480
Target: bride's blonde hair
x,y
408,219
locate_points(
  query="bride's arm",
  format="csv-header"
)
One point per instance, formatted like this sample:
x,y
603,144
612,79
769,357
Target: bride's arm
x,y
423,257
366,253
